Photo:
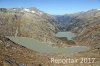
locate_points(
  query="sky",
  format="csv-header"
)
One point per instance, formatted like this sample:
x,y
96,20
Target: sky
x,y
54,7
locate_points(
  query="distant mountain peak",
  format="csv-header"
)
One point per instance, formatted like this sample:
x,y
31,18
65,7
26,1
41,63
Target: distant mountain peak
x,y
93,10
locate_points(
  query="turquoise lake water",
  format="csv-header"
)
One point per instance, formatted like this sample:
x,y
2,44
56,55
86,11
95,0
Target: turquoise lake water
x,y
69,35
45,48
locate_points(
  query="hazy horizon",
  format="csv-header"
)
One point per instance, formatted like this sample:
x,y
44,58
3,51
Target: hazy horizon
x,y
53,7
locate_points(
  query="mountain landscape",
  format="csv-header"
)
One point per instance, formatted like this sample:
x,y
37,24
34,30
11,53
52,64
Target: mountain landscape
x,y
43,27
86,25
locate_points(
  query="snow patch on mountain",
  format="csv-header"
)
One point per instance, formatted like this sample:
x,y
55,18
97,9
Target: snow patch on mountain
x,y
33,11
27,10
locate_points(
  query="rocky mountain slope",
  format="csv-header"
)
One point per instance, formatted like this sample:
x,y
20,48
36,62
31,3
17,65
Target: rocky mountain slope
x,y
62,20
12,54
86,25
28,22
